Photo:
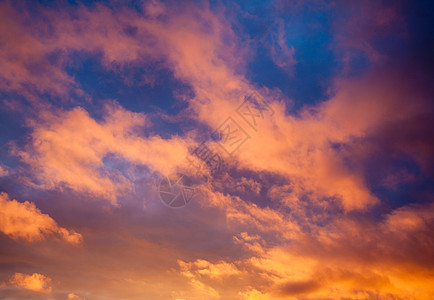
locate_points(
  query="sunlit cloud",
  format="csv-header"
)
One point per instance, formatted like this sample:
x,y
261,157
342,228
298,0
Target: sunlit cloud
x,y
25,221
70,150
324,190
35,282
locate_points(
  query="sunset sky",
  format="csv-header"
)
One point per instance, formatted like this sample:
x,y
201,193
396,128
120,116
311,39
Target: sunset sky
x,y
301,132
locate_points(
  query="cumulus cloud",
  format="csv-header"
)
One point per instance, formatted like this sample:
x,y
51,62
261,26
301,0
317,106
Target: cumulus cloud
x,y
25,221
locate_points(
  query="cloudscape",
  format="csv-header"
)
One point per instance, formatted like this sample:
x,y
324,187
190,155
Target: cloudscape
x,y
195,150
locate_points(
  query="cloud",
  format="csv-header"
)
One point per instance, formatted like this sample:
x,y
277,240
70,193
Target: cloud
x,y
74,296
213,68
359,27
182,42
62,157
3,172
297,288
25,221
281,54
25,67
206,268
347,257
320,150
292,216
35,282
70,150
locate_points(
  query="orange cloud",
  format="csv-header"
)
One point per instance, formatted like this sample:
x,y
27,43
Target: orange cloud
x,y
202,268
35,282
74,296
346,258
24,220
69,149
184,42
409,219
202,49
206,268
319,151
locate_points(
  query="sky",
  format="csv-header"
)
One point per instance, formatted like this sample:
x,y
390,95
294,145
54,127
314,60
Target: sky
x,y
234,150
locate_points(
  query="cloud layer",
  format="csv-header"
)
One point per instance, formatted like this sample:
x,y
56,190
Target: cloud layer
x,y
328,198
